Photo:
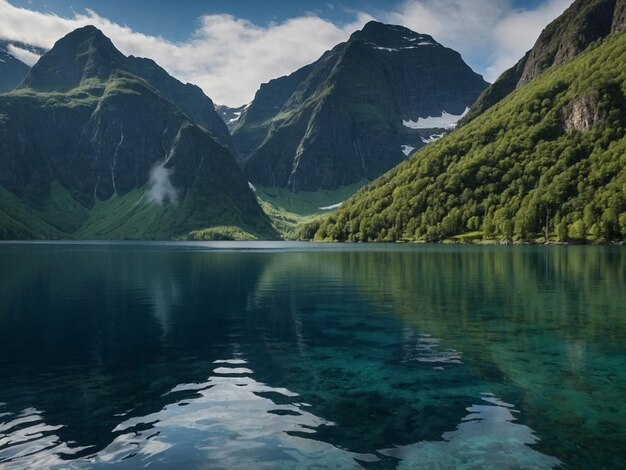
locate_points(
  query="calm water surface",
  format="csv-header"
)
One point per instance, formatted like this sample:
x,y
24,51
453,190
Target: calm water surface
x,y
223,355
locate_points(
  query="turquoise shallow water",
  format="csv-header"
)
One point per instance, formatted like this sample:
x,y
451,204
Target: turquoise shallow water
x,y
283,355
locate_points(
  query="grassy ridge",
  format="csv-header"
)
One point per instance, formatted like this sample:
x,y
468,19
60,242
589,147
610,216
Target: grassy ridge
x,y
289,211
132,216
305,203
517,172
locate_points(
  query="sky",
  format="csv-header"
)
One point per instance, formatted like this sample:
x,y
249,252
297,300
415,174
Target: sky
x,y
230,47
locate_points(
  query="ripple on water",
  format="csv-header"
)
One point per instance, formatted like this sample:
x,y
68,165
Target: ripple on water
x,y
258,426
488,437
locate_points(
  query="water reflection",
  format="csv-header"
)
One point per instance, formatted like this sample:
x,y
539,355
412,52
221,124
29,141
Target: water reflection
x,y
160,356
488,437
234,421
26,440
230,421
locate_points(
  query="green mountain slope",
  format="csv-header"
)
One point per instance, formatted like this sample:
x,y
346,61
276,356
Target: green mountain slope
x,y
584,22
551,156
88,149
355,113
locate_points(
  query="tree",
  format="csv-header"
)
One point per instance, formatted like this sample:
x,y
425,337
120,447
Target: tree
x,y
578,230
561,230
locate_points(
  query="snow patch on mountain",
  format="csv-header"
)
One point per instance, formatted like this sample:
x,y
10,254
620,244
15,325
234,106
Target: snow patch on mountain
x,y
432,138
445,121
407,149
230,116
331,208
419,45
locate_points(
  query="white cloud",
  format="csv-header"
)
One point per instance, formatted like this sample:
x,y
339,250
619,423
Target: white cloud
x,y
161,188
491,35
226,56
230,57
24,55
517,32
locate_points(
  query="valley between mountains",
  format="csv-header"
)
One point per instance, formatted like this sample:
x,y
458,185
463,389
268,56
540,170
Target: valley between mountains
x,y
389,136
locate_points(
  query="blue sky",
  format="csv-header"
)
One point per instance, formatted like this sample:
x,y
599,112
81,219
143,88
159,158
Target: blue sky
x,y
177,19
230,47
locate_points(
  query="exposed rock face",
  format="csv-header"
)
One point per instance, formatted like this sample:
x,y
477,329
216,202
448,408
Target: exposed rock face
x,y
254,124
12,70
581,114
619,17
584,22
83,119
349,116
585,112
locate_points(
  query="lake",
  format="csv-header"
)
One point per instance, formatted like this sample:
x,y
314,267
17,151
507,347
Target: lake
x,y
293,355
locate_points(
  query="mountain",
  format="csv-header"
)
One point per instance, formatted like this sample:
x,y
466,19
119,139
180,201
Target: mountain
x,y
583,23
189,98
12,70
356,112
229,115
91,149
548,162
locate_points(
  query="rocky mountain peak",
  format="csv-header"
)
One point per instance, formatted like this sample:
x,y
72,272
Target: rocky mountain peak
x,y
388,37
356,112
82,54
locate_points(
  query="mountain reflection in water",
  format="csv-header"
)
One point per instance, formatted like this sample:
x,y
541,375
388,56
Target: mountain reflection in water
x,y
162,355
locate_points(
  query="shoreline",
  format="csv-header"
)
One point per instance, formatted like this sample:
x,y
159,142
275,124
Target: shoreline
x,y
489,242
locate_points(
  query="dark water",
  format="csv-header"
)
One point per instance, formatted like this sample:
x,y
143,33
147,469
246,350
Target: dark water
x,y
184,356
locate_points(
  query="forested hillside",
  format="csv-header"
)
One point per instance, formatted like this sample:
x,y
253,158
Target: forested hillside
x,y
550,159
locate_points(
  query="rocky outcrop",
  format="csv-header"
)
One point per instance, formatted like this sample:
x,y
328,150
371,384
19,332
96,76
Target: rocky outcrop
x,y
354,113
581,115
583,23
588,110
619,17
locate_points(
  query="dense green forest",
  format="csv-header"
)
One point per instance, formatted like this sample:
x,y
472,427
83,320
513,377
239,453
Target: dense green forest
x,y
549,161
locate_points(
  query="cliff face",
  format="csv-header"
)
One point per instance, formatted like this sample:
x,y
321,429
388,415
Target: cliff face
x,y
189,98
619,17
354,113
584,22
84,122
